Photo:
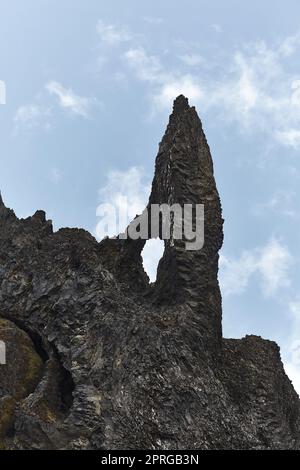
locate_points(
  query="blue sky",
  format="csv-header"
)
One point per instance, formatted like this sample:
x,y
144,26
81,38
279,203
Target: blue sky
x,y
89,90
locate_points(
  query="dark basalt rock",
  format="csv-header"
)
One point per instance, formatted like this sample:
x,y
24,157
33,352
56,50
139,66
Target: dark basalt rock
x,y
123,364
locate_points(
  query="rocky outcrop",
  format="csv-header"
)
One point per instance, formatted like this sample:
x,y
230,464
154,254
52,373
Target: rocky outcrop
x,y
19,377
120,363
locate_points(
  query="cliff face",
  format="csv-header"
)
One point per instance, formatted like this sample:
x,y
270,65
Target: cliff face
x,y
108,361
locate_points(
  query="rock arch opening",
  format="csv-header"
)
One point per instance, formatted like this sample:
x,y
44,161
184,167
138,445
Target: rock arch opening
x,y
152,254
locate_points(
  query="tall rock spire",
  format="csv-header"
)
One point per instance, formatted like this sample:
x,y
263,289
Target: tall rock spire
x,y
184,175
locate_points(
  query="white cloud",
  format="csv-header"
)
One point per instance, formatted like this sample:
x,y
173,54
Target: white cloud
x,y
128,192
290,45
235,274
31,116
253,88
247,91
289,138
281,203
67,99
112,34
37,115
259,94
185,85
125,191
167,86
192,60
148,68
271,263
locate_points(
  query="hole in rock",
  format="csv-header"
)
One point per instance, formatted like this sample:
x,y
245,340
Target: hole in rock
x,y
151,254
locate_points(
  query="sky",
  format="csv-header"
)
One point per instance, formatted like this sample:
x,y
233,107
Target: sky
x,y
89,88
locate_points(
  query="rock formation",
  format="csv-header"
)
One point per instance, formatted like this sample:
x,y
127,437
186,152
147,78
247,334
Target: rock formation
x,y
99,358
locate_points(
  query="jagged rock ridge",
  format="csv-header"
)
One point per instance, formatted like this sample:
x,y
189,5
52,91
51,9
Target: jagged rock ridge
x,y
110,361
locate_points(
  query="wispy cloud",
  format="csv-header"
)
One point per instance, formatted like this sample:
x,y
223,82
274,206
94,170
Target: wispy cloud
x,y
147,67
32,116
271,262
193,59
289,45
254,88
40,114
281,203
166,86
67,99
127,191
113,34
185,84
289,138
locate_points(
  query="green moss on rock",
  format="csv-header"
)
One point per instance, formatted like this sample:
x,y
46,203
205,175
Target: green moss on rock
x,y
19,376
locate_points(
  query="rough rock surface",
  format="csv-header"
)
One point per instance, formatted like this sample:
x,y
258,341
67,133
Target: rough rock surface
x,y
109,361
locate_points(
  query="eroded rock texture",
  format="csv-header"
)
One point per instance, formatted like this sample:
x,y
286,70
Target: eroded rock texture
x,y
97,358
